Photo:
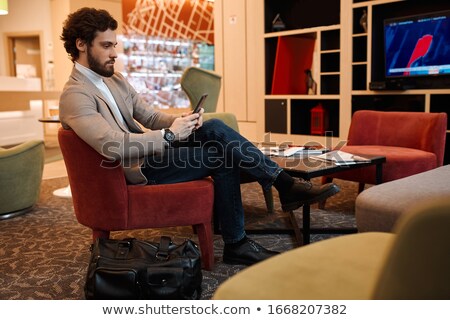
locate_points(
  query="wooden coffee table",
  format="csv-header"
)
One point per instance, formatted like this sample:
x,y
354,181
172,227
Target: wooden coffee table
x,y
307,168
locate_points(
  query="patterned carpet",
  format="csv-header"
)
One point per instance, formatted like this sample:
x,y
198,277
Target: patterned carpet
x,y
44,254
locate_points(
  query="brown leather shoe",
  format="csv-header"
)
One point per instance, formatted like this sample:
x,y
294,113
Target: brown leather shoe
x,y
304,192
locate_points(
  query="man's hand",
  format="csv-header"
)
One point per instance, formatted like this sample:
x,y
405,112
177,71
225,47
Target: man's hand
x,y
200,119
183,126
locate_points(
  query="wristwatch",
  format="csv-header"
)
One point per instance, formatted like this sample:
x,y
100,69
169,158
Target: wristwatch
x,y
169,136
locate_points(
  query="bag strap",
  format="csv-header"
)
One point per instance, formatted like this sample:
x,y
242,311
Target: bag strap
x,y
163,251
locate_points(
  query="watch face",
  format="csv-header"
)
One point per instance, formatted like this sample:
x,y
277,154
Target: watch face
x,y
169,136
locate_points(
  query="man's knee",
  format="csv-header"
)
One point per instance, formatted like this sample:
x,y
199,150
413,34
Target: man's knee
x,y
214,123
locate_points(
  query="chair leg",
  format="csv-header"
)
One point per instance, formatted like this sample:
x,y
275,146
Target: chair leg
x,y
268,196
96,234
206,244
361,186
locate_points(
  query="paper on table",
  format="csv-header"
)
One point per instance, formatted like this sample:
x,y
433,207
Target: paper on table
x,y
281,151
312,150
341,157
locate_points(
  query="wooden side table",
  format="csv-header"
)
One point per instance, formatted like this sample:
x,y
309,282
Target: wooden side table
x,y
308,168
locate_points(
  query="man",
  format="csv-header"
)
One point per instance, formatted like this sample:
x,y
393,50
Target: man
x,y
102,108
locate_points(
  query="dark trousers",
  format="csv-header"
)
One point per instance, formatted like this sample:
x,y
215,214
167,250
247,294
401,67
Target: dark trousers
x,y
218,151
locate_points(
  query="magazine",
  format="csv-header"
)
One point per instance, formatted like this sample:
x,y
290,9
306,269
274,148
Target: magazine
x,y
290,150
341,158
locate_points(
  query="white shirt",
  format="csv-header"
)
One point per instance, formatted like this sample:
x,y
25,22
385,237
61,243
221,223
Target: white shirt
x,y
97,80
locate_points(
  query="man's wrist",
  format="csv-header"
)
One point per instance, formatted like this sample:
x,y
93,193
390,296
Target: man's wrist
x,y
168,136
166,143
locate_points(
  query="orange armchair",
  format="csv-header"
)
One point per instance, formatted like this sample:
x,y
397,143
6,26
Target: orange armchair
x,y
412,142
104,202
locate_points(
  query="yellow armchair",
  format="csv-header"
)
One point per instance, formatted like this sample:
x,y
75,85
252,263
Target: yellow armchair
x,y
412,264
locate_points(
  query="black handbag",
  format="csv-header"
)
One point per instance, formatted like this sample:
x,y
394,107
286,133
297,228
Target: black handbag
x,y
136,269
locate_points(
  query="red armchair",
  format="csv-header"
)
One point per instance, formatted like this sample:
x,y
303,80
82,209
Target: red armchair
x,y
104,202
412,142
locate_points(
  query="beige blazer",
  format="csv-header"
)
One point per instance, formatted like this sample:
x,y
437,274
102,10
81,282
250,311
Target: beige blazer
x,y
83,109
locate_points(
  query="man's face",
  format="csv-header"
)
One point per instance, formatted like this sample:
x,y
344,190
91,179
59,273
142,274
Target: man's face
x,y
101,54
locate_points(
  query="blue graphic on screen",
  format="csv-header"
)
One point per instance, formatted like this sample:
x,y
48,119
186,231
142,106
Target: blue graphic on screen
x,y
418,46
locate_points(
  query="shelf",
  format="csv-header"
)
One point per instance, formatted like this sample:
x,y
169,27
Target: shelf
x,y
300,32
330,51
330,84
359,49
330,62
301,121
276,115
288,57
298,15
310,41
276,112
359,76
441,103
389,102
330,39
357,35
358,21
293,55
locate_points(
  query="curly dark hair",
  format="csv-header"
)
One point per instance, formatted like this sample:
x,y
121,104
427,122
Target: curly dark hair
x,y
84,24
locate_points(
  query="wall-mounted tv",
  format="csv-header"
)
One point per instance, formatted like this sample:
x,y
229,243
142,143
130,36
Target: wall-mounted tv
x,y
417,46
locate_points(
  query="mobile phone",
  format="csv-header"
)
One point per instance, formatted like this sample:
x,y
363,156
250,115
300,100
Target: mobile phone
x,y
200,103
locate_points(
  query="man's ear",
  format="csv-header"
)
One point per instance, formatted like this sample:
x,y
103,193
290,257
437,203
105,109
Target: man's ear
x,y
81,45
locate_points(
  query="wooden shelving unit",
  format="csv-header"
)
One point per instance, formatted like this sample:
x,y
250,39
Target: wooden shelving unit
x,y
347,57
304,44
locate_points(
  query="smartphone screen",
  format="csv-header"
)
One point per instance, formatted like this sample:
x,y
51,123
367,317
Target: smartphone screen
x,y
200,103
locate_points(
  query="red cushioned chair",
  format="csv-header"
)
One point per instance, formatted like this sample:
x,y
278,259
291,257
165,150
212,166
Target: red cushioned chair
x,y
412,142
104,202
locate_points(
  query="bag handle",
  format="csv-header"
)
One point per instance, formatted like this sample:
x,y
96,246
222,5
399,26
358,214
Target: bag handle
x,y
163,251
123,248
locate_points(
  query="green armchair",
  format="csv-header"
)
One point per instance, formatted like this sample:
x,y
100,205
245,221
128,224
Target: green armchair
x,y
21,170
195,82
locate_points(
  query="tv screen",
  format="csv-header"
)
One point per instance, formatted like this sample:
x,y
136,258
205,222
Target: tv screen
x,y
417,45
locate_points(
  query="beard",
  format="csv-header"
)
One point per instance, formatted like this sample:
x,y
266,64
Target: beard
x,y
105,70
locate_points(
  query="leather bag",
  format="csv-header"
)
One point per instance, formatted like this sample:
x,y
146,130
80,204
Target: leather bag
x,y
136,269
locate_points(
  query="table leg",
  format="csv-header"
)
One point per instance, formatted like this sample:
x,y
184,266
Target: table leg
x,y
302,235
306,224
297,230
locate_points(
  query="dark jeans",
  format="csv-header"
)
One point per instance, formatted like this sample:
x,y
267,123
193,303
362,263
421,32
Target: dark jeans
x,y
218,151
